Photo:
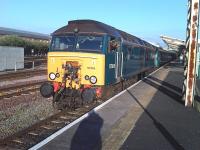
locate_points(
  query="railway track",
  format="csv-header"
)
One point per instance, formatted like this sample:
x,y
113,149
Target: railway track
x,y
35,57
22,74
19,89
41,130
34,134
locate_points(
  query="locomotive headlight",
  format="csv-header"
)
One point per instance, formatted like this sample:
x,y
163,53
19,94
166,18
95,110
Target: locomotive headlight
x,y
93,79
52,76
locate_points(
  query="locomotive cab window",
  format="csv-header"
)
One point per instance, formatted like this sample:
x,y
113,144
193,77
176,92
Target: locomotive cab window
x,y
89,43
62,43
81,43
113,45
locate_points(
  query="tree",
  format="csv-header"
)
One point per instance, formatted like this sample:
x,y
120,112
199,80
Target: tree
x,y
13,40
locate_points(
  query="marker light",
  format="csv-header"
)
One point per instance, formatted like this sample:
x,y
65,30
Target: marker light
x,y
57,75
87,77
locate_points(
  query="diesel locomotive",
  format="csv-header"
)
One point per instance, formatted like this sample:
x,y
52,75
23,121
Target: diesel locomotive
x,y
86,56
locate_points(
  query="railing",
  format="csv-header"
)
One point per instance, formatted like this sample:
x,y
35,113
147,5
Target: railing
x,y
22,65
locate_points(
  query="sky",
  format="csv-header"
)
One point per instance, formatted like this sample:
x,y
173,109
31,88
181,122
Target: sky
x,y
147,19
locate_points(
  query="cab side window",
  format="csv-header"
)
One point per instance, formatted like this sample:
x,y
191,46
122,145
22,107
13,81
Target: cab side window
x,y
113,45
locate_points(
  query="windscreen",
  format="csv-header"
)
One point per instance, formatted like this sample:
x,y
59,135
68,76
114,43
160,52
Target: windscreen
x,y
77,43
63,43
91,43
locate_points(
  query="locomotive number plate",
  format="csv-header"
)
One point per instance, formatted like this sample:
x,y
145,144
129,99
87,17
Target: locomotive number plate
x,y
111,66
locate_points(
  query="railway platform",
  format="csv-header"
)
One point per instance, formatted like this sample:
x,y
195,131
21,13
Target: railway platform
x,y
148,115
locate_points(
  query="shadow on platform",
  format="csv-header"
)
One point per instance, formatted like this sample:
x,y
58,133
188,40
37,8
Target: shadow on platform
x,y
159,126
174,96
174,65
175,88
165,122
88,136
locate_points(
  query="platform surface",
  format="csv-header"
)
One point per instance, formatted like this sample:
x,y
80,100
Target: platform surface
x,y
149,115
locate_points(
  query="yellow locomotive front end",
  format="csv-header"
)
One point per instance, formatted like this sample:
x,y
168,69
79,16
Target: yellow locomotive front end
x,y
76,69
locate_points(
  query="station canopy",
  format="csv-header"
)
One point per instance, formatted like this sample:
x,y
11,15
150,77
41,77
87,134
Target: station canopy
x,y
172,43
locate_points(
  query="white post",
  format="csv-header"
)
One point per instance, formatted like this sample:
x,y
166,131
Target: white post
x,y
33,65
15,66
5,64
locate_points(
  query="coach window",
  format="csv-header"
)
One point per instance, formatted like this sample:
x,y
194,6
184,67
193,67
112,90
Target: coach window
x,y
129,54
147,54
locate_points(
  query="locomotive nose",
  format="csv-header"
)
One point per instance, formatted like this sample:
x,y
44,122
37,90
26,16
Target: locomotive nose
x,y
46,90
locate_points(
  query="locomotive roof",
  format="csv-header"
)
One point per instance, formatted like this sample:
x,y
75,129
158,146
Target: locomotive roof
x,y
92,26
87,26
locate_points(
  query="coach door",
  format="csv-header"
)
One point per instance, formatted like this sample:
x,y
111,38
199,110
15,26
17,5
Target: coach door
x,y
118,65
